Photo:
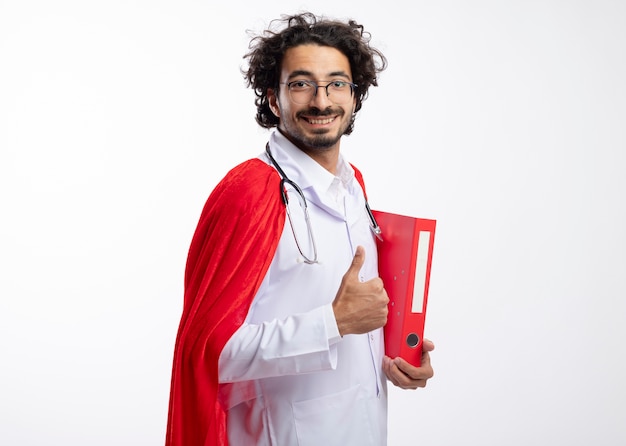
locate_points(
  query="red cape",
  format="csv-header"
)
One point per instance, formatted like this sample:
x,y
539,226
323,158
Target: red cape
x,y
230,253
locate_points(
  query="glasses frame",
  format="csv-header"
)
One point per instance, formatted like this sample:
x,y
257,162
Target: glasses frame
x,y
316,86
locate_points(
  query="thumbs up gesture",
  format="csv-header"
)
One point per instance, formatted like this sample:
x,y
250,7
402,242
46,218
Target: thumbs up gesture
x,y
360,306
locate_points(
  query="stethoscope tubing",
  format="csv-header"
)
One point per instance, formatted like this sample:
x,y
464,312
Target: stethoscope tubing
x,y
283,193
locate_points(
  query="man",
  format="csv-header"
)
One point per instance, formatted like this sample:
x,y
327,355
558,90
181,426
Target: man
x,y
280,341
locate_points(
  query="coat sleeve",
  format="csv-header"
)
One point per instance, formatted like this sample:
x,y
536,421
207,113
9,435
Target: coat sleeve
x,y
230,253
298,344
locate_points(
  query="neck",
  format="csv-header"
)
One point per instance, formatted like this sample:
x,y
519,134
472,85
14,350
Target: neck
x,y
327,157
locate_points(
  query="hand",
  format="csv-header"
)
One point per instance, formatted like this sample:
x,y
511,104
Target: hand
x,y
406,376
360,306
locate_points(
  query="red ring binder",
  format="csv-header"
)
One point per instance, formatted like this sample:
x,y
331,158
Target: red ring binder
x,y
404,261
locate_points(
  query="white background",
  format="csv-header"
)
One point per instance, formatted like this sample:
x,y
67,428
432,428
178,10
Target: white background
x,y
503,120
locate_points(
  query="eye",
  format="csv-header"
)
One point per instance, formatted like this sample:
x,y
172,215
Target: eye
x,y
339,84
299,85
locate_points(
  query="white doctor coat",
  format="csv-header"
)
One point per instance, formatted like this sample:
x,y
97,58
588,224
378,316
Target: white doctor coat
x,y
286,376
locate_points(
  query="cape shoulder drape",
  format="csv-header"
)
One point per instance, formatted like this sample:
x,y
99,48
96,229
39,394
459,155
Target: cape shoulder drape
x,y
230,253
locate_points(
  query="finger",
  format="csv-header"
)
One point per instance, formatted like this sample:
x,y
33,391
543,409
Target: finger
x,y
425,361
399,378
357,261
425,371
387,368
386,364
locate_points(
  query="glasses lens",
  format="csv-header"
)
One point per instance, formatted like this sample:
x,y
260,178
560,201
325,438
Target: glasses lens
x,y
339,92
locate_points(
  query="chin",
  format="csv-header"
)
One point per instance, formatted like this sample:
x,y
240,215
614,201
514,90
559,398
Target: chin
x,y
324,138
321,142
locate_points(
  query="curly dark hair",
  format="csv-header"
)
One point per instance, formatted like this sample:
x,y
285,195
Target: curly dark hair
x,y
267,50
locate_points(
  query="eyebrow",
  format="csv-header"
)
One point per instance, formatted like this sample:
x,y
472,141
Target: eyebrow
x,y
297,73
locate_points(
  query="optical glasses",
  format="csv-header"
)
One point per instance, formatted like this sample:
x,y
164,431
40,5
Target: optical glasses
x,y
303,91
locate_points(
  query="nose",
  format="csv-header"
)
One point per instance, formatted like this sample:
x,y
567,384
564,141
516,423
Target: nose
x,y
320,99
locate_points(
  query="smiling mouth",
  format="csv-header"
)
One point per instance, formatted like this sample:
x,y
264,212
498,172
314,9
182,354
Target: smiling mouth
x,y
319,121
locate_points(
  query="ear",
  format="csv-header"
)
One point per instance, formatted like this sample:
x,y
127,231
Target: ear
x,y
272,99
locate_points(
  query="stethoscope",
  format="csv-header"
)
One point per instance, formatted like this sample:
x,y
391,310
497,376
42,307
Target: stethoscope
x,y
283,193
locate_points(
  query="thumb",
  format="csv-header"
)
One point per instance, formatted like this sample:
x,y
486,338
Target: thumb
x,y
357,261
428,345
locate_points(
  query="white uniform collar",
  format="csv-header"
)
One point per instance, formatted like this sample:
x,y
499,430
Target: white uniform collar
x,y
304,170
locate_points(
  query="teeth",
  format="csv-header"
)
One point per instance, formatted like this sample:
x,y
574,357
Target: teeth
x,y
321,121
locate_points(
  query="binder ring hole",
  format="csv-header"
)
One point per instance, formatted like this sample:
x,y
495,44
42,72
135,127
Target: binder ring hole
x,y
412,340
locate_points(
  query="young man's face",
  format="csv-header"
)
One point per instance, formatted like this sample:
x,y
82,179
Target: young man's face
x,y
319,123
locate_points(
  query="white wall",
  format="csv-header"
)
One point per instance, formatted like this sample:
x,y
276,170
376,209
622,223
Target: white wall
x,y
117,118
